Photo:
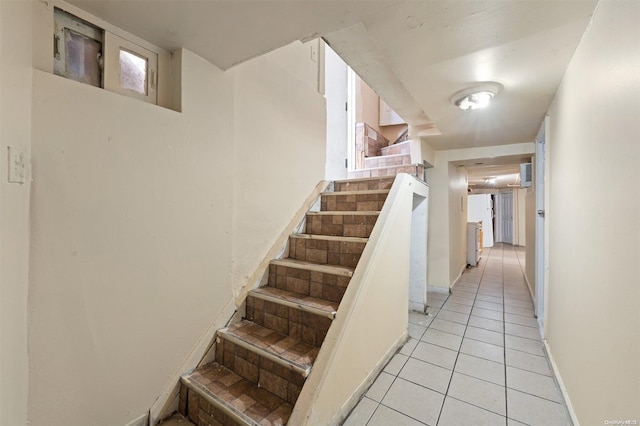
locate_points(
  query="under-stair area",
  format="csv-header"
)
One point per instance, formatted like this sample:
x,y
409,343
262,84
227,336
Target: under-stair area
x,y
388,161
262,361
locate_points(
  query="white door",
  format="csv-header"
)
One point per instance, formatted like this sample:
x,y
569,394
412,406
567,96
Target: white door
x,y
336,94
540,258
506,217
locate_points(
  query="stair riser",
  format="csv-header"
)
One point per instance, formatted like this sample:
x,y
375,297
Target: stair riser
x,y
353,202
200,412
268,375
386,161
414,170
366,185
343,225
342,253
310,283
399,148
305,326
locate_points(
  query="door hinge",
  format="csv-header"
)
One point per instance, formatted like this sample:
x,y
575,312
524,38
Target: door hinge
x,y
346,106
346,163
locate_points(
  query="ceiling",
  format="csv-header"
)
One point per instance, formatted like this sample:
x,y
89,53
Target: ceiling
x,y
494,173
414,54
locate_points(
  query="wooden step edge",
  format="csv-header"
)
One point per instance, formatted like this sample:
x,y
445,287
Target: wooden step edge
x,y
386,167
346,212
365,179
362,192
260,294
377,157
330,238
315,267
218,402
303,370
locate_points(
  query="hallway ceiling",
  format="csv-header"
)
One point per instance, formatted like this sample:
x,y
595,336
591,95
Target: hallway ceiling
x,y
414,54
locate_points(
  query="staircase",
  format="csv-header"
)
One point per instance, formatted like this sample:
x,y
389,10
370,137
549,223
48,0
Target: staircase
x,y
394,159
262,361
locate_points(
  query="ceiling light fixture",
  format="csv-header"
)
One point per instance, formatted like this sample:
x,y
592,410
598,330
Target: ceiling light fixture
x,y
478,96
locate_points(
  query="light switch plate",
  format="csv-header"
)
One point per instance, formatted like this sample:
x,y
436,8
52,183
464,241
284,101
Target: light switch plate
x,y
17,165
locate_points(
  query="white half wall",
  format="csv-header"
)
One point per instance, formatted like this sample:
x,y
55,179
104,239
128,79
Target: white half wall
x,y
593,322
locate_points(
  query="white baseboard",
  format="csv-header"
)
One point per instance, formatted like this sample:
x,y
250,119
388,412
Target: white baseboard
x,y
143,420
563,389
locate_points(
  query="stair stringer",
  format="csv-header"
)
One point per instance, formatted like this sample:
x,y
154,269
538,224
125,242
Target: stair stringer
x,y
203,350
372,319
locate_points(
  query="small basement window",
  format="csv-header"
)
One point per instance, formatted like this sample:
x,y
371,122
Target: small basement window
x,y
88,54
77,49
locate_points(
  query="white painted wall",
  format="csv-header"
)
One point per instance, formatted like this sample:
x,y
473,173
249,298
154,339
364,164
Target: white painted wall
x,y
480,211
279,152
457,221
593,323
136,215
15,130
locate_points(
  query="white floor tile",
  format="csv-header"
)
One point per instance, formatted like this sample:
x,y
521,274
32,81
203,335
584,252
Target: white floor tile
x,y
522,331
481,369
532,410
416,331
456,307
529,321
478,392
453,316
525,345
533,383
420,319
437,355
426,374
457,413
395,365
487,313
385,416
362,412
442,338
527,361
483,350
408,347
415,401
380,386
487,324
448,326
486,336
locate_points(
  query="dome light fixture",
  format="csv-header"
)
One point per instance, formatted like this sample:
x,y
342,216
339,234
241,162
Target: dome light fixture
x,y
478,96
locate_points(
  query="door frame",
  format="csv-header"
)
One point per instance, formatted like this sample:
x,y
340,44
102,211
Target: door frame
x,y
541,253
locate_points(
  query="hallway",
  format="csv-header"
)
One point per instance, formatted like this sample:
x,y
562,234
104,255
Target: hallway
x,y
475,358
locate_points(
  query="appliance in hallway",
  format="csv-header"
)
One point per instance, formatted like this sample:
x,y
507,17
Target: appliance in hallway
x,y
474,243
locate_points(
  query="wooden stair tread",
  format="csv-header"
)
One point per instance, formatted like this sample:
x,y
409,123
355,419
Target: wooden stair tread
x,y
306,303
330,237
279,348
376,157
345,212
361,192
386,167
364,179
237,397
316,267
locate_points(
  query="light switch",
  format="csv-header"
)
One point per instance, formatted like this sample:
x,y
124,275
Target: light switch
x,y
17,165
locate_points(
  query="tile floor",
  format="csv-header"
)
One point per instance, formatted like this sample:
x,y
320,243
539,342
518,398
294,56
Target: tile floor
x,y
476,358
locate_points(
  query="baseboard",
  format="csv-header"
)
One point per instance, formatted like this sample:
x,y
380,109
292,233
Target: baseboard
x,y
366,384
563,389
434,289
143,420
